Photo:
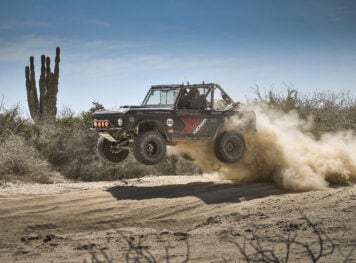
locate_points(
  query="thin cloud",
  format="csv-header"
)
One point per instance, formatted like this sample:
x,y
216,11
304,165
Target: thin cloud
x,y
22,48
100,46
115,59
23,24
136,64
96,22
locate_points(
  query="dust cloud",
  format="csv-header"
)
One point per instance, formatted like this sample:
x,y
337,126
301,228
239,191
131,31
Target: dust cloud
x,y
284,151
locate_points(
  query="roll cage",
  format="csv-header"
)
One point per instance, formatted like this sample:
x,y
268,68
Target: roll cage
x,y
213,96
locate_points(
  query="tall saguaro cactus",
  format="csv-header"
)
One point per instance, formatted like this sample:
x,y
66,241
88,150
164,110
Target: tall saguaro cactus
x,y
43,107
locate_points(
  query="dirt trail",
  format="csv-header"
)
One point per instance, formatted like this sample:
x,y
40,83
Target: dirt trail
x,y
160,217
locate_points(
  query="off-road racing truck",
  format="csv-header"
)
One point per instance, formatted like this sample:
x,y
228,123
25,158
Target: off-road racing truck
x,y
169,114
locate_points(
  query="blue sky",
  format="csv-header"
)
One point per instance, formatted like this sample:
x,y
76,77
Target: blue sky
x,y
112,51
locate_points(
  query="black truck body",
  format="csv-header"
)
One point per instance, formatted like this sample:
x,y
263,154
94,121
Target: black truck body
x,y
169,114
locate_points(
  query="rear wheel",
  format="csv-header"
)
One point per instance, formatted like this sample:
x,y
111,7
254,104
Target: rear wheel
x,y
149,148
229,147
109,151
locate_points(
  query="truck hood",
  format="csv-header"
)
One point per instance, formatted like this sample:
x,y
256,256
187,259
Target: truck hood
x,y
132,109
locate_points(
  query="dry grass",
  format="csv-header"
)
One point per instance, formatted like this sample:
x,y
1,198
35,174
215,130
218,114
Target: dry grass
x,y
330,111
21,161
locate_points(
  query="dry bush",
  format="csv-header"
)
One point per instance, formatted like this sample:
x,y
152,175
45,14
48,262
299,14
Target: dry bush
x,y
11,122
330,111
71,148
21,161
72,151
305,242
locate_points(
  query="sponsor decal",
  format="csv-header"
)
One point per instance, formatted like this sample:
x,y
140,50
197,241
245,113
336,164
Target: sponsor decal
x,y
169,122
192,125
197,129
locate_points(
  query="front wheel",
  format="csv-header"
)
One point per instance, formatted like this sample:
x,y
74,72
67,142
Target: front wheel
x,y
149,148
229,147
108,151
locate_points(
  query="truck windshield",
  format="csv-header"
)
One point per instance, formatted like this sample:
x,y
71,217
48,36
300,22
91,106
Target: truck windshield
x,y
161,97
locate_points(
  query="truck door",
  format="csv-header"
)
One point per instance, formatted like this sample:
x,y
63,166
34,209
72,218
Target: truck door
x,y
191,124
192,115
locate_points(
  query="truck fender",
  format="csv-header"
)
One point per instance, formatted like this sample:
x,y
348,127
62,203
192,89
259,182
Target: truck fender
x,y
152,125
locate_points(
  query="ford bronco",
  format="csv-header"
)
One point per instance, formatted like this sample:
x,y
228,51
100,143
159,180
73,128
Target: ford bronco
x,y
169,114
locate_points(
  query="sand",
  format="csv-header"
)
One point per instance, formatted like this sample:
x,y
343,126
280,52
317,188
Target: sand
x,y
199,218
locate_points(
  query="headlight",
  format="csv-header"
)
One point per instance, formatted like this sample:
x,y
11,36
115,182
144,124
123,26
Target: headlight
x,y
120,121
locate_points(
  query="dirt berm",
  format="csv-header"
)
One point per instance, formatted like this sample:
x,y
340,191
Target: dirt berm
x,y
174,219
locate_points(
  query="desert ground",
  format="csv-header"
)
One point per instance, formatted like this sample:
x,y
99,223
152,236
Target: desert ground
x,y
199,218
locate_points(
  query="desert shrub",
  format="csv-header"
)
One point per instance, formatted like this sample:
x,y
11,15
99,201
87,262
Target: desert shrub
x,y
173,164
21,161
330,111
11,122
72,150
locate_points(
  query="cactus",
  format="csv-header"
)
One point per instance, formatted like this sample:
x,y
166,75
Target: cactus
x,y
43,107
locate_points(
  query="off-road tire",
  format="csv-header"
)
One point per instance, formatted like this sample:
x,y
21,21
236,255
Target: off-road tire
x,y
229,147
106,151
149,148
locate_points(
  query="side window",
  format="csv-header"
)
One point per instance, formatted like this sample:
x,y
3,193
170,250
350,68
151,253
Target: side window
x,y
195,98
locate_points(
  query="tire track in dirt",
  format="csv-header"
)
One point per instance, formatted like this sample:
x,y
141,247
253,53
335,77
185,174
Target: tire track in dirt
x,y
84,220
176,206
